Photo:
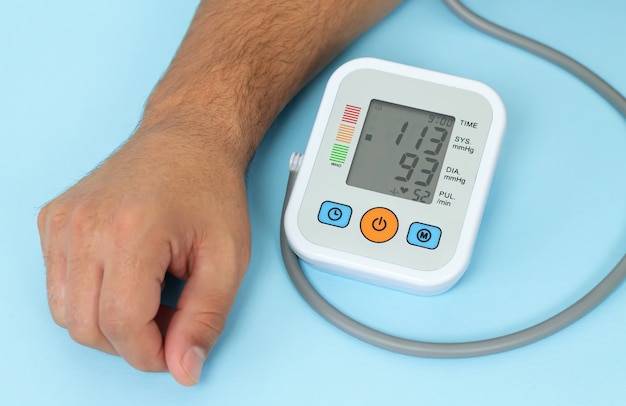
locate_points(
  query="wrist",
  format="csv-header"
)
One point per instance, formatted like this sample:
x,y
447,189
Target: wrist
x,y
204,118
188,149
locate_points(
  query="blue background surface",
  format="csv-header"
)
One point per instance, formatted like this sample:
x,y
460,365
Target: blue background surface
x,y
73,79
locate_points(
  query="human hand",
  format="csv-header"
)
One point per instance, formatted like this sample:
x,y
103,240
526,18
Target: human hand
x,y
174,200
165,201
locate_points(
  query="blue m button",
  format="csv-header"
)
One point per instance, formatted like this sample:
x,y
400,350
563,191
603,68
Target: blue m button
x,y
424,235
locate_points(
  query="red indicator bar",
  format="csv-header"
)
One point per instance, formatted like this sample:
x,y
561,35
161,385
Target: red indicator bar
x,y
351,114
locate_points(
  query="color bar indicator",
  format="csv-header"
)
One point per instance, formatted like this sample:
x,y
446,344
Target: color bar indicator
x,y
351,114
344,135
339,153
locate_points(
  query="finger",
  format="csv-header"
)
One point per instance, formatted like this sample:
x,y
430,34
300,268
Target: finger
x,y
201,315
129,302
82,290
52,235
164,317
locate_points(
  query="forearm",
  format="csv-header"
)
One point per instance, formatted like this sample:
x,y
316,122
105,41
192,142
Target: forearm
x,y
242,61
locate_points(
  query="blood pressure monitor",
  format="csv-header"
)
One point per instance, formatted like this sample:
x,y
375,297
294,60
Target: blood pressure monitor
x,y
393,183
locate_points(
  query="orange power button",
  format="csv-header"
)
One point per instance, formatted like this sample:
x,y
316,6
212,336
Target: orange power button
x,y
379,224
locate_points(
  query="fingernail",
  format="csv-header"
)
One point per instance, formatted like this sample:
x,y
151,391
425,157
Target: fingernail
x,y
192,362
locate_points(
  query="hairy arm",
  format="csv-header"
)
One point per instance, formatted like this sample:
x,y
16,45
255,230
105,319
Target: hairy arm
x,y
172,198
251,57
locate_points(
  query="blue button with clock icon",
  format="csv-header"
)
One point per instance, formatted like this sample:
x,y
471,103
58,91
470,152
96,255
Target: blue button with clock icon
x,y
334,214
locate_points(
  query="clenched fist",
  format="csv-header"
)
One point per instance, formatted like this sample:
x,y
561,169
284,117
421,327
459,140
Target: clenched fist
x,y
165,202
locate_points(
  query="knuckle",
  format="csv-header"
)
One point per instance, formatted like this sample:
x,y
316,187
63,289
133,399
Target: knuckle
x,y
115,323
52,216
83,219
124,221
145,364
42,217
209,325
84,331
58,317
113,326
57,308
57,218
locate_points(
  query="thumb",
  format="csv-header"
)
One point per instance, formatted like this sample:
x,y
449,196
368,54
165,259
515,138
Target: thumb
x,y
199,320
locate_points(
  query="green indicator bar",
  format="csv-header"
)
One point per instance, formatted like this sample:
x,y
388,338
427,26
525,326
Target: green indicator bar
x,y
339,153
